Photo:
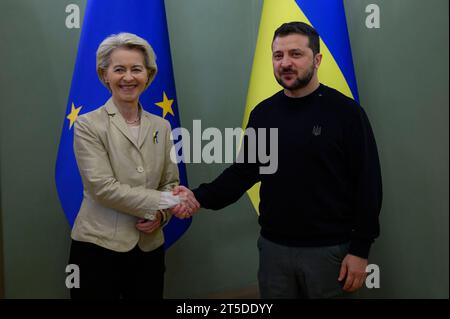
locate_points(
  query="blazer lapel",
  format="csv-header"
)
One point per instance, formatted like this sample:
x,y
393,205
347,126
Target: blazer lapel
x,y
117,119
145,128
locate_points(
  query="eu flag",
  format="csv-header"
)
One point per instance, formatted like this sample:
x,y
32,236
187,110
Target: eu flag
x,y
146,19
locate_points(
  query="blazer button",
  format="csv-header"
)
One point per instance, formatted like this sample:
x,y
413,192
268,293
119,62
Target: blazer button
x,y
140,169
150,217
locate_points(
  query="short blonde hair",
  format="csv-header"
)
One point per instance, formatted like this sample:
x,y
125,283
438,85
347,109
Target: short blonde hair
x,y
128,41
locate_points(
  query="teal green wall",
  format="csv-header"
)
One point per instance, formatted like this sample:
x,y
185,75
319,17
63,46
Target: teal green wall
x,y
212,50
402,73
37,55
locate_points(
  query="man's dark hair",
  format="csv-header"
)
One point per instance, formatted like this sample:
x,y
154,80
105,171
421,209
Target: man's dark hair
x,y
300,28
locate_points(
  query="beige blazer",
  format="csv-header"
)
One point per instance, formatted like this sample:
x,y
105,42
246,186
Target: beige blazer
x,y
122,178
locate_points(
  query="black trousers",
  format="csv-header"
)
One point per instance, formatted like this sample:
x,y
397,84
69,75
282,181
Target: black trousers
x,y
107,274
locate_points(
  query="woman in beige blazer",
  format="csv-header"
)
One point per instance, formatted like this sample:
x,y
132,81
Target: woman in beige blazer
x,y
123,154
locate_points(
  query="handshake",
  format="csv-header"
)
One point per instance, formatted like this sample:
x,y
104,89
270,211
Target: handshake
x,y
188,204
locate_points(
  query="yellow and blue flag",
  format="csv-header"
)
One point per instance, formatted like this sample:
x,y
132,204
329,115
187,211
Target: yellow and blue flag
x,y
146,19
336,69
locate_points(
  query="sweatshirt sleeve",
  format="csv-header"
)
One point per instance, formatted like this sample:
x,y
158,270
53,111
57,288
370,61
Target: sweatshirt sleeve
x,y
232,183
365,172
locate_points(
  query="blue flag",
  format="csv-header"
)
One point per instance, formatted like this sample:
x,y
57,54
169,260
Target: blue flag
x,y
146,19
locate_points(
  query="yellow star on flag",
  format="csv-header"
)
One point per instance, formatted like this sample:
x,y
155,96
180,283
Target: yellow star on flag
x,y
72,117
166,105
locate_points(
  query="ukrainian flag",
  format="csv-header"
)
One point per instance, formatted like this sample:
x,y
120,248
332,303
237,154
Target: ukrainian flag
x,y
147,19
336,69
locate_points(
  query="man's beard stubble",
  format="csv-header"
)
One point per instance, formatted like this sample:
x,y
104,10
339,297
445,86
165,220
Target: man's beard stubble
x,y
299,83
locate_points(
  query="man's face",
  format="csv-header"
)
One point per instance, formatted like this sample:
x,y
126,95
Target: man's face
x,y
294,64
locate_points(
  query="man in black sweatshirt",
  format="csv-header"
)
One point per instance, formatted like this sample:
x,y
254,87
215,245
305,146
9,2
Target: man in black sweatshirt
x,y
319,210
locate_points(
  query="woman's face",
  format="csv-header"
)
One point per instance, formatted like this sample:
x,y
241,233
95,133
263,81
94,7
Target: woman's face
x,y
126,75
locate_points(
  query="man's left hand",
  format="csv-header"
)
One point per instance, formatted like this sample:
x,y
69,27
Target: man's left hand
x,y
353,268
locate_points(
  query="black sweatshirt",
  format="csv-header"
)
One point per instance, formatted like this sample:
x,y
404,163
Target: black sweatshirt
x,y
327,189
